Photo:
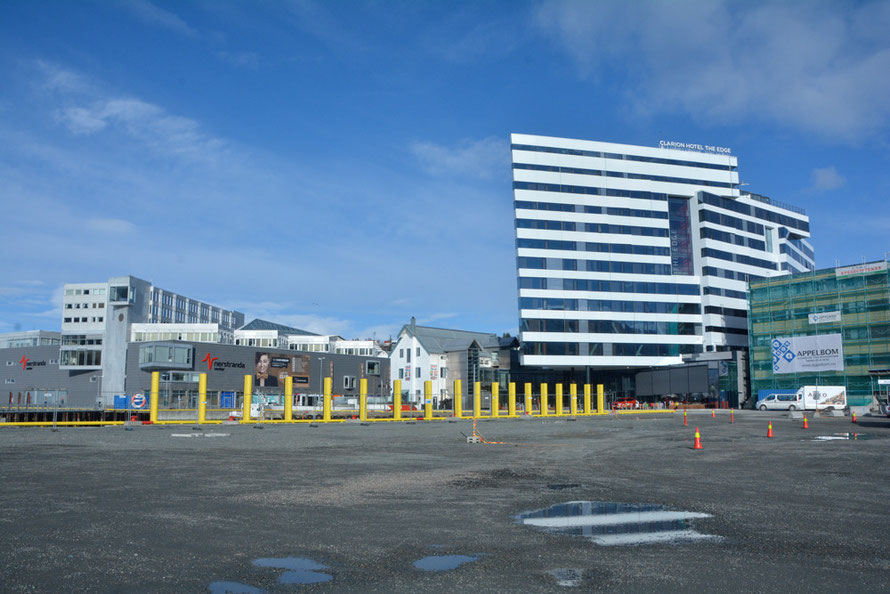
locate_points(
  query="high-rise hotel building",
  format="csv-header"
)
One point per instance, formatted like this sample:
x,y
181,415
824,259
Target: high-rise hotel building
x,y
632,256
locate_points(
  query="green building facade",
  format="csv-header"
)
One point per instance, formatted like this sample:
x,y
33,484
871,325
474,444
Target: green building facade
x,y
852,301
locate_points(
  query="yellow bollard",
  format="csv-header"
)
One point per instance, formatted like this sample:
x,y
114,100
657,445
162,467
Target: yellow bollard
x,y
528,399
288,399
458,404
600,399
511,399
427,400
245,403
397,400
326,410
153,398
202,398
573,403
477,400
587,399
495,400
558,406
363,400
545,406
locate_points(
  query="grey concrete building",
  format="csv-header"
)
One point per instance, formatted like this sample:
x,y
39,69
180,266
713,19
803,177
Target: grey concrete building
x,y
97,320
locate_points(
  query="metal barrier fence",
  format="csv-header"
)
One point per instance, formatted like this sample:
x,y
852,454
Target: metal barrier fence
x,y
529,404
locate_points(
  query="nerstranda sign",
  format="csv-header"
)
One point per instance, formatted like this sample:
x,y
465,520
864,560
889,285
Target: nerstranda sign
x,y
860,269
806,354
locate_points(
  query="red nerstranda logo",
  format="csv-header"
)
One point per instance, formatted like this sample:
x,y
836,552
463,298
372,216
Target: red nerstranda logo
x,y
209,360
24,361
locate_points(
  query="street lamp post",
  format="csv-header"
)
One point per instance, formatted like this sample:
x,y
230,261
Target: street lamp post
x,y
321,376
100,403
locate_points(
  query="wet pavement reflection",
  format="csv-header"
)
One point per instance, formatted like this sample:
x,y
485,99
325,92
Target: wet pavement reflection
x,y
300,570
617,524
443,562
232,588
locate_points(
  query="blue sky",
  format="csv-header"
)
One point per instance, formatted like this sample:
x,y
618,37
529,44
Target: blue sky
x,y
341,166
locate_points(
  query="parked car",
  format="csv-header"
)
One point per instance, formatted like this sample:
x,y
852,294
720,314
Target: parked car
x,y
625,403
780,402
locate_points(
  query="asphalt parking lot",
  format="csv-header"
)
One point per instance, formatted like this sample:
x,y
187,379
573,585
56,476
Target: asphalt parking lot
x,y
106,509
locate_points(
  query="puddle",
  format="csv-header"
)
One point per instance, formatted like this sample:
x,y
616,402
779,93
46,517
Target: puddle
x,y
848,437
443,562
563,486
569,578
199,435
300,570
617,524
232,588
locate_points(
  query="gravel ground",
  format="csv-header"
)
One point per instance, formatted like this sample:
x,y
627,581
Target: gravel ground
x,y
106,509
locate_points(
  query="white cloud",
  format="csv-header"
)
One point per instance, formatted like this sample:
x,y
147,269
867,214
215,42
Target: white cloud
x,y
316,19
151,125
82,121
13,291
379,331
486,158
870,224
105,225
464,34
817,67
156,16
157,162
55,78
312,323
436,317
826,178
240,59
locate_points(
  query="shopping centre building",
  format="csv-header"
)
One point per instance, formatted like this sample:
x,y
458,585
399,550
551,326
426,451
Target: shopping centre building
x,y
826,327
115,333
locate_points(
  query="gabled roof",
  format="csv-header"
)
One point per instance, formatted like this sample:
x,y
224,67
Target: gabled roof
x,y
259,324
506,342
442,340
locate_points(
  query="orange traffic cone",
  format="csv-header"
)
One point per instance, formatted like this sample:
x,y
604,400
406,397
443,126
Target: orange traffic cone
x,y
697,444
805,424
713,414
769,431
731,415
853,417
684,417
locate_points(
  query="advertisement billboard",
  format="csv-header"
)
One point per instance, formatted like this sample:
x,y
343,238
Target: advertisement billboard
x,y
860,269
824,317
807,354
272,369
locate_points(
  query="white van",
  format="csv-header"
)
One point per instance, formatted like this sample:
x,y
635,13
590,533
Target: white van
x,y
807,398
781,402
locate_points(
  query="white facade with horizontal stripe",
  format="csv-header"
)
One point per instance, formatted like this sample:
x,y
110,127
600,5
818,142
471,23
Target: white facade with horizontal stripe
x,y
632,256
